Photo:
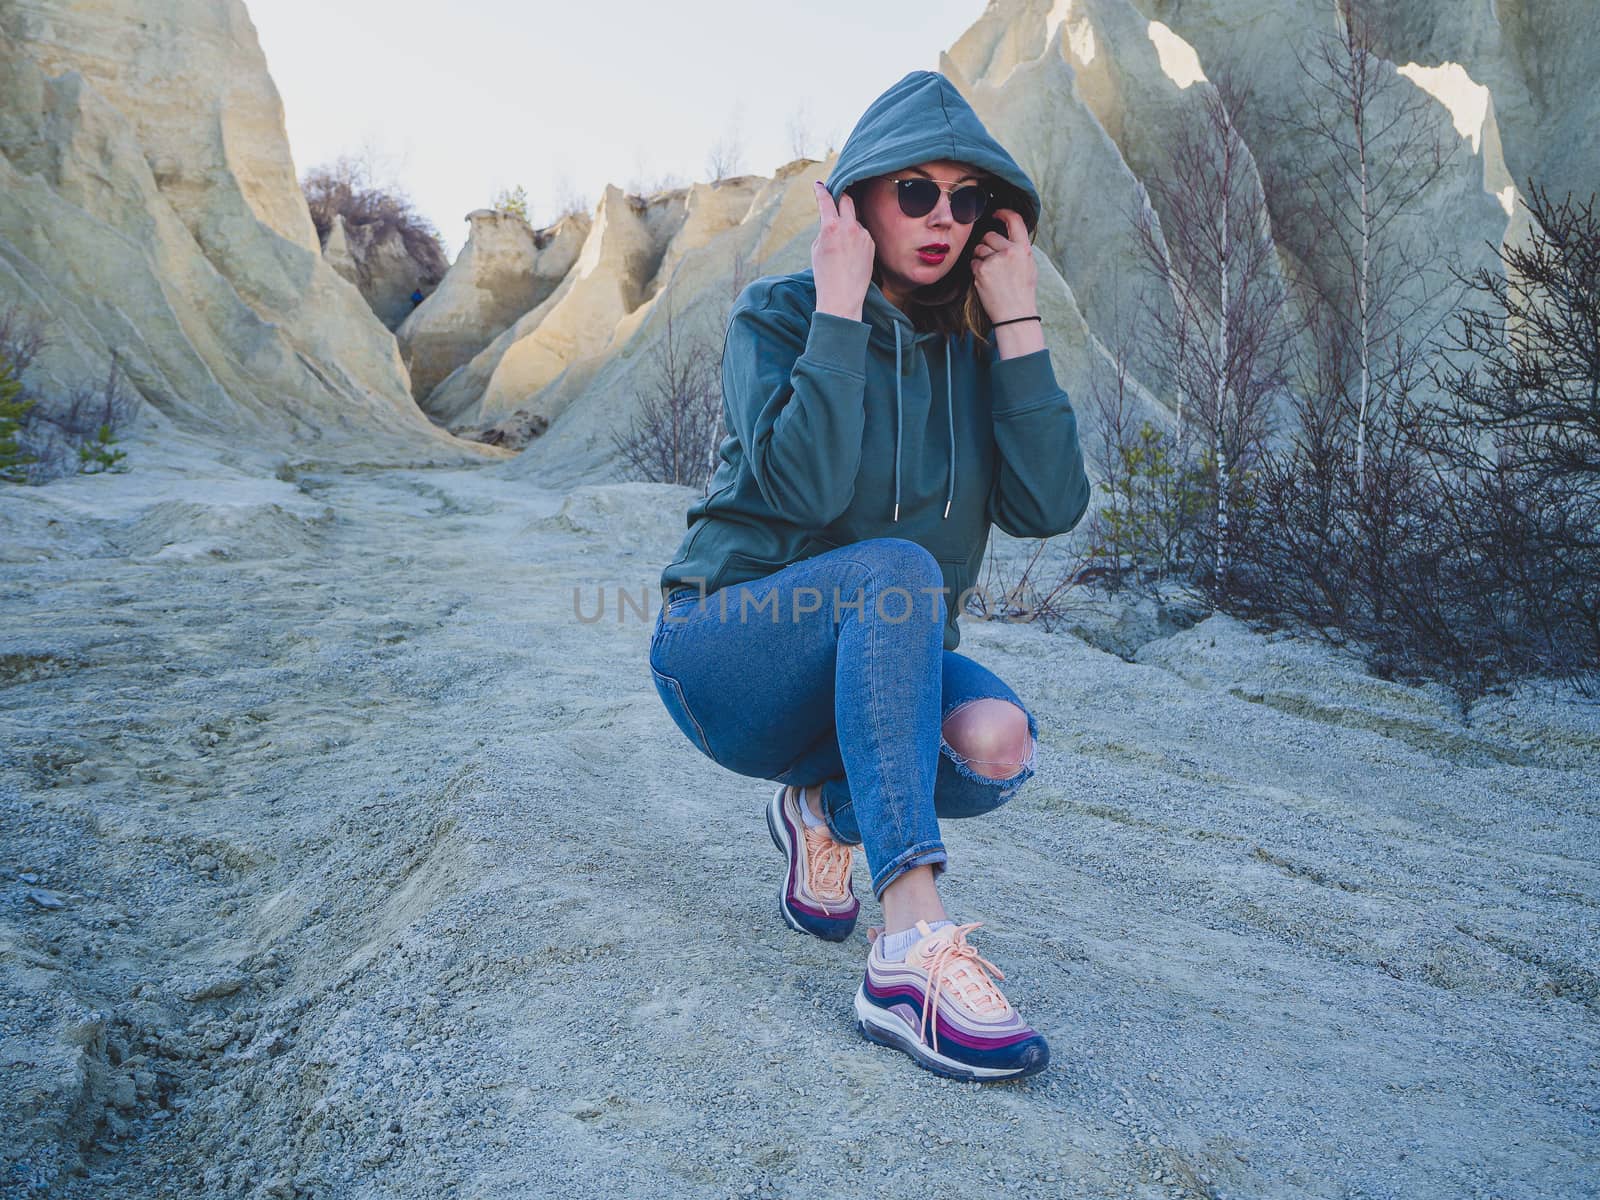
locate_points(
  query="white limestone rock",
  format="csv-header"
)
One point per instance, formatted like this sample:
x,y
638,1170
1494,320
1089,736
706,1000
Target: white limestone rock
x,y
148,206
697,282
506,269
378,262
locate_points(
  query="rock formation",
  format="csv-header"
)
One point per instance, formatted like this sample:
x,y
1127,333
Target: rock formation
x,y
647,240
1536,60
695,277
506,269
148,205
383,269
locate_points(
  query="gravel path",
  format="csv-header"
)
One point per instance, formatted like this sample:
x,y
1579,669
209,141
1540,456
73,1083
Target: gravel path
x,y
340,858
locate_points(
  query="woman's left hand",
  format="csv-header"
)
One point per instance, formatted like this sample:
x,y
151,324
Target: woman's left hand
x,y
1003,270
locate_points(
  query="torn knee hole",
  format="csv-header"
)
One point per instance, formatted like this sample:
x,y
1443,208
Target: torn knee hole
x,y
990,770
989,733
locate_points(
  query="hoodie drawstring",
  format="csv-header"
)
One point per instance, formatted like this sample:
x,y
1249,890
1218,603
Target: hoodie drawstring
x,y
950,417
897,420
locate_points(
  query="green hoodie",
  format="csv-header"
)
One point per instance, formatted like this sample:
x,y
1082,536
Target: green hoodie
x,y
840,430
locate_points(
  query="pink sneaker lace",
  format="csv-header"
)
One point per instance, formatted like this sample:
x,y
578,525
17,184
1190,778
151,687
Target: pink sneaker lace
x,y
827,865
958,968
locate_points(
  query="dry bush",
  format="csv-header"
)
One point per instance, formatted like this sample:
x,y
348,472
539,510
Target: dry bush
x,y
1458,542
1038,591
75,433
1146,532
1516,446
345,188
673,438
726,155
1466,545
677,434
569,201
60,435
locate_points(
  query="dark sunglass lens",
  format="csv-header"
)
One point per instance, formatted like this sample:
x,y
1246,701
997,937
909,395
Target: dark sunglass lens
x,y
966,203
918,196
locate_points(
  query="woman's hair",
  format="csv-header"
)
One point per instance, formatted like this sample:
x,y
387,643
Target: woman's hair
x,y
951,305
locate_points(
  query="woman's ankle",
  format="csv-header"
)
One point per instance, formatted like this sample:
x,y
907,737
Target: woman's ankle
x,y
912,898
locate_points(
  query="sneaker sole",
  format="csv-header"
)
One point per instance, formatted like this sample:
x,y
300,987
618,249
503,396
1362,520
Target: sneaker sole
x,y
887,1029
784,848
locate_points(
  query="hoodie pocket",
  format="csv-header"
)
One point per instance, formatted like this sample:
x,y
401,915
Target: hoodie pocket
x,y
749,567
816,545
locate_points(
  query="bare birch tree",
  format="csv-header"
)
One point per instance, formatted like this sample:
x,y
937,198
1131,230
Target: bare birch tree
x,y
1221,341
1372,145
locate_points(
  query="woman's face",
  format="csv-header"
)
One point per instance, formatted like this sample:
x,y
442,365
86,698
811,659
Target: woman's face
x,y
902,242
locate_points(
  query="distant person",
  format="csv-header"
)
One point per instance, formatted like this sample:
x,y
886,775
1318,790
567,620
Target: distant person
x,y
416,298
884,408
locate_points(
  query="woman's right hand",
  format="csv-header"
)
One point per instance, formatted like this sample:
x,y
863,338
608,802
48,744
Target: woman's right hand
x,y
841,257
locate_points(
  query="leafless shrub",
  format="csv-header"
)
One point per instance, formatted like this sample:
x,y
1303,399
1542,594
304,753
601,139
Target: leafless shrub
x,y
1466,546
644,183
674,436
514,432
1036,592
345,188
1144,533
1348,562
1455,542
1517,443
800,136
64,435
569,200
726,156
1459,542
22,338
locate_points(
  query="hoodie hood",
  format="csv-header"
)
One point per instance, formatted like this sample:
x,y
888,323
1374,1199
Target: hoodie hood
x,y
921,118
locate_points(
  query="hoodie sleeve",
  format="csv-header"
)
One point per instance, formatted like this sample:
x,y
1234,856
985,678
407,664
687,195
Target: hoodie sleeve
x,y
794,386
1040,487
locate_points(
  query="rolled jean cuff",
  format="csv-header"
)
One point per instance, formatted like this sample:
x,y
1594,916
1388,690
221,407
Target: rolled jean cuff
x,y
841,822
923,852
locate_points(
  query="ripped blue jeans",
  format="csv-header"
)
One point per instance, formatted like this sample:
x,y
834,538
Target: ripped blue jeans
x,y
832,671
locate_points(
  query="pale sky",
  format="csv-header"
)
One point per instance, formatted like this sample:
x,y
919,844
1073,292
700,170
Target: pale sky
x,y
454,103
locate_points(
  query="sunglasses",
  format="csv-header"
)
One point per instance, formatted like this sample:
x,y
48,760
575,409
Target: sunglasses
x,y
918,197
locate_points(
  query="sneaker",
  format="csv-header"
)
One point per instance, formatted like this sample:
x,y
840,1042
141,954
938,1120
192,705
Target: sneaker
x,y
942,1008
816,895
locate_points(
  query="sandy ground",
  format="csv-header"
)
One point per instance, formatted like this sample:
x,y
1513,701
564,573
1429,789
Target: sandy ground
x,y
340,858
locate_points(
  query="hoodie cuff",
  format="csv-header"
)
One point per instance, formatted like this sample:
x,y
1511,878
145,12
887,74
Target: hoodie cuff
x,y
838,342
1023,382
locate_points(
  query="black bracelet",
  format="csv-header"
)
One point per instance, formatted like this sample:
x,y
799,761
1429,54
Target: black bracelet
x,y
1014,320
